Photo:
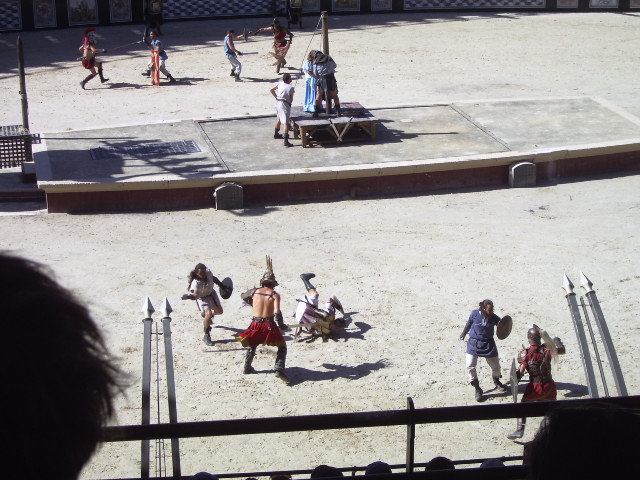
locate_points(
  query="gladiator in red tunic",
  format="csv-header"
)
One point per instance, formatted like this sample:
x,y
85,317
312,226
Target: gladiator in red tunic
x,y
536,361
263,330
89,52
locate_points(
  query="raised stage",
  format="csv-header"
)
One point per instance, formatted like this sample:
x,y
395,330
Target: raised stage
x,y
355,124
176,165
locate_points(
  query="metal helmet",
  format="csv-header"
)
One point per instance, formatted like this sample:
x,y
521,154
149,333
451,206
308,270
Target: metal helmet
x,y
533,335
269,278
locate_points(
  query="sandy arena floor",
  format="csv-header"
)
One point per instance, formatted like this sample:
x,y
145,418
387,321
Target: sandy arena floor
x,y
407,269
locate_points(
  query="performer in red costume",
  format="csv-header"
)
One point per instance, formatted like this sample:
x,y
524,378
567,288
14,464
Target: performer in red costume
x,y
536,360
263,329
89,52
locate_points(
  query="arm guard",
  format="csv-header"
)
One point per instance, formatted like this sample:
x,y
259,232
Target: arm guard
x,y
280,322
247,297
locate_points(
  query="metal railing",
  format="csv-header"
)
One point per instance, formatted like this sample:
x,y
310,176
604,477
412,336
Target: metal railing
x,y
409,417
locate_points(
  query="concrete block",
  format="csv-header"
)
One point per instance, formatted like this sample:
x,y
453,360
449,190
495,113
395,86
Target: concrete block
x,y
522,174
29,172
228,196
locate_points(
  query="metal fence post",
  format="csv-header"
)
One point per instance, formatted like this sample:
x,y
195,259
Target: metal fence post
x,y
582,338
411,438
171,385
609,349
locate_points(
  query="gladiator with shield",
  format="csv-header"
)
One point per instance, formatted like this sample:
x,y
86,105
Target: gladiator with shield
x,y
201,289
536,361
481,343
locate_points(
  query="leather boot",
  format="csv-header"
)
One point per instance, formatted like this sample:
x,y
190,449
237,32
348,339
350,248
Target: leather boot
x,y
281,358
207,337
277,134
519,432
475,384
87,78
248,358
286,140
338,110
305,279
499,385
102,79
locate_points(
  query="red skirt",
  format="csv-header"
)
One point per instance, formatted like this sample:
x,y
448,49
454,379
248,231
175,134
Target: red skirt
x,y
89,63
539,392
261,332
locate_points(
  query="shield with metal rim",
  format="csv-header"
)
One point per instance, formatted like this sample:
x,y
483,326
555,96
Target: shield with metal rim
x,y
503,329
226,289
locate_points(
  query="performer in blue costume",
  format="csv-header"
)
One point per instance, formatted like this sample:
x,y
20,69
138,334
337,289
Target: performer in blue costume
x,y
310,85
481,343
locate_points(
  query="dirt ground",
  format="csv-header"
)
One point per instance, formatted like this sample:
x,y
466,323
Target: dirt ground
x,y
407,269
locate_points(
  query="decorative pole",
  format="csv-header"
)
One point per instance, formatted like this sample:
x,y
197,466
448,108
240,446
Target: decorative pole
x,y
582,338
147,309
171,384
325,32
609,349
23,86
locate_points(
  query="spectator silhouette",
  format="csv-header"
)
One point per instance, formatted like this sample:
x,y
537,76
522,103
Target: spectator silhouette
x,y
58,386
592,441
325,471
492,463
376,468
439,463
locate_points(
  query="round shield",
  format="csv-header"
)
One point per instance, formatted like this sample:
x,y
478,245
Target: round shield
x,y
227,288
503,329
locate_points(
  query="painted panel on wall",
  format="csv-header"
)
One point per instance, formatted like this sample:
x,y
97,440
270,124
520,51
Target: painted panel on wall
x,y
212,8
377,5
82,12
345,5
10,15
311,6
424,4
120,10
603,3
44,13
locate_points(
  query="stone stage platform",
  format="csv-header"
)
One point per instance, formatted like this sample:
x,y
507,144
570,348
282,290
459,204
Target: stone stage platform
x,y
417,149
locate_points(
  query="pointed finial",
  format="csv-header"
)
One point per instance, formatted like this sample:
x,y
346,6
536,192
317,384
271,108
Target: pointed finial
x,y
567,285
585,283
147,308
166,308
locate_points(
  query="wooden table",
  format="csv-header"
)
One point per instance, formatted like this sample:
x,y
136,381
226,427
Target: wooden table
x,y
355,123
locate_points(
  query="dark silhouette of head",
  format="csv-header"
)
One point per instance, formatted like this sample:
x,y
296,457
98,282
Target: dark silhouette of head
x,y
439,463
589,441
324,471
377,468
58,380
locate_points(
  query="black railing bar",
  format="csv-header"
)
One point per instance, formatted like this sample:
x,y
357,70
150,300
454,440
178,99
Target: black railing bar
x,y
513,472
346,420
398,466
